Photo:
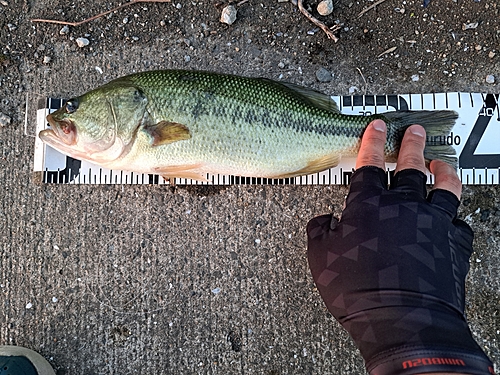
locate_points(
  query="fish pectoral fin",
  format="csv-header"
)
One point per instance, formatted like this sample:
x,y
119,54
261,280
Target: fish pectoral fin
x,y
166,132
314,166
182,171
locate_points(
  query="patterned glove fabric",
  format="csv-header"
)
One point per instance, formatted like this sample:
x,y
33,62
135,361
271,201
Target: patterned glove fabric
x,y
392,272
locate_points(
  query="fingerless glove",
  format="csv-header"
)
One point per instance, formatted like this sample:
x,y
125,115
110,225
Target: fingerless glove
x,y
392,272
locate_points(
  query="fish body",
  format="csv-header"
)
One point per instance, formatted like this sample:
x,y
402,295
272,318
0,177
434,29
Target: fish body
x,y
179,123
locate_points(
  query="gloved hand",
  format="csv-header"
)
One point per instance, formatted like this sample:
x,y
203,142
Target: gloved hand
x,y
392,270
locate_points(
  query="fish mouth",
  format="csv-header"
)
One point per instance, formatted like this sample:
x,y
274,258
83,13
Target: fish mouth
x,y
64,130
61,136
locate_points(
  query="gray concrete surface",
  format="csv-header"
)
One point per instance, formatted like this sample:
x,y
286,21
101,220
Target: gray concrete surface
x,y
208,280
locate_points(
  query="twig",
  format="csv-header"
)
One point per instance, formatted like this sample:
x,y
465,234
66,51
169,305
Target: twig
x,y
370,7
362,76
392,49
99,15
318,23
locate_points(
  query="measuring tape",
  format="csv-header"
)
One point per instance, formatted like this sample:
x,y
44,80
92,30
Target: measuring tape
x,y
475,137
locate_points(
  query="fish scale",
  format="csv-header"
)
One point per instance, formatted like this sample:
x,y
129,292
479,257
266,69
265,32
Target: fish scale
x,y
187,124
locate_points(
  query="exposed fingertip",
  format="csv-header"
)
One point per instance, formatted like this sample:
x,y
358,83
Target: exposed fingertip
x,y
446,177
417,130
379,125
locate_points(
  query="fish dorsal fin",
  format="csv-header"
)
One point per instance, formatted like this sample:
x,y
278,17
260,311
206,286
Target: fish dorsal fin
x,y
166,132
316,98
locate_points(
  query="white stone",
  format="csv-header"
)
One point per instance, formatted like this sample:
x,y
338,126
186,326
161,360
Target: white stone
x,y
228,15
325,7
82,42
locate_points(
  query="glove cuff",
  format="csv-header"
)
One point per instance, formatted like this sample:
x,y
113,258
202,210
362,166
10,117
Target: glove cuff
x,y
422,360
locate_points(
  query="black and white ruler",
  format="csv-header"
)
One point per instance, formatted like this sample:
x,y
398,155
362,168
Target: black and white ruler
x,y
475,137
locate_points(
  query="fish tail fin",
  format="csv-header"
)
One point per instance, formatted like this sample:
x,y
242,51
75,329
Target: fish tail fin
x,y
437,125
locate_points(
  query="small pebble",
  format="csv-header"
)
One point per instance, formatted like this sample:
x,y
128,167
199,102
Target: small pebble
x,y
323,75
4,3
257,241
469,26
125,20
82,42
11,27
98,70
46,59
325,7
4,120
491,54
29,305
178,6
64,30
490,78
228,15
54,299
187,58
352,90
216,290
415,78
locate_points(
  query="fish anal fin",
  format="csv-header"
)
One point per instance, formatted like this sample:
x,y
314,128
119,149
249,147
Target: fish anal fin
x,y
314,166
166,132
182,171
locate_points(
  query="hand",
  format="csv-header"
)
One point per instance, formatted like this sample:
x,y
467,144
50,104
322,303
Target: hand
x,y
392,269
410,157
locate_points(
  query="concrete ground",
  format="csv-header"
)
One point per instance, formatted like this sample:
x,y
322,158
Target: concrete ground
x,y
209,280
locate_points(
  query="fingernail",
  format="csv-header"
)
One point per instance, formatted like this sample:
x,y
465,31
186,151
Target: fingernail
x,y
379,125
418,130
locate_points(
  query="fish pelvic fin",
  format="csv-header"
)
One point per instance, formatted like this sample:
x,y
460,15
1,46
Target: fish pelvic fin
x,y
437,125
314,166
166,132
182,171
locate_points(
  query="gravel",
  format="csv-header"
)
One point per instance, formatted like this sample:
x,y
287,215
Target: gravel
x,y
323,75
82,42
228,15
64,30
4,120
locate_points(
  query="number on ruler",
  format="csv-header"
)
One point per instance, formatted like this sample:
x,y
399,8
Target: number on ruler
x,y
467,158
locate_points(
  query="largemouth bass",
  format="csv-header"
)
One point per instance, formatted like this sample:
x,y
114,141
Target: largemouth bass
x,y
186,124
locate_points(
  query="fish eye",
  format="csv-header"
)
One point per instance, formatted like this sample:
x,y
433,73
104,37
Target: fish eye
x,y
71,105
